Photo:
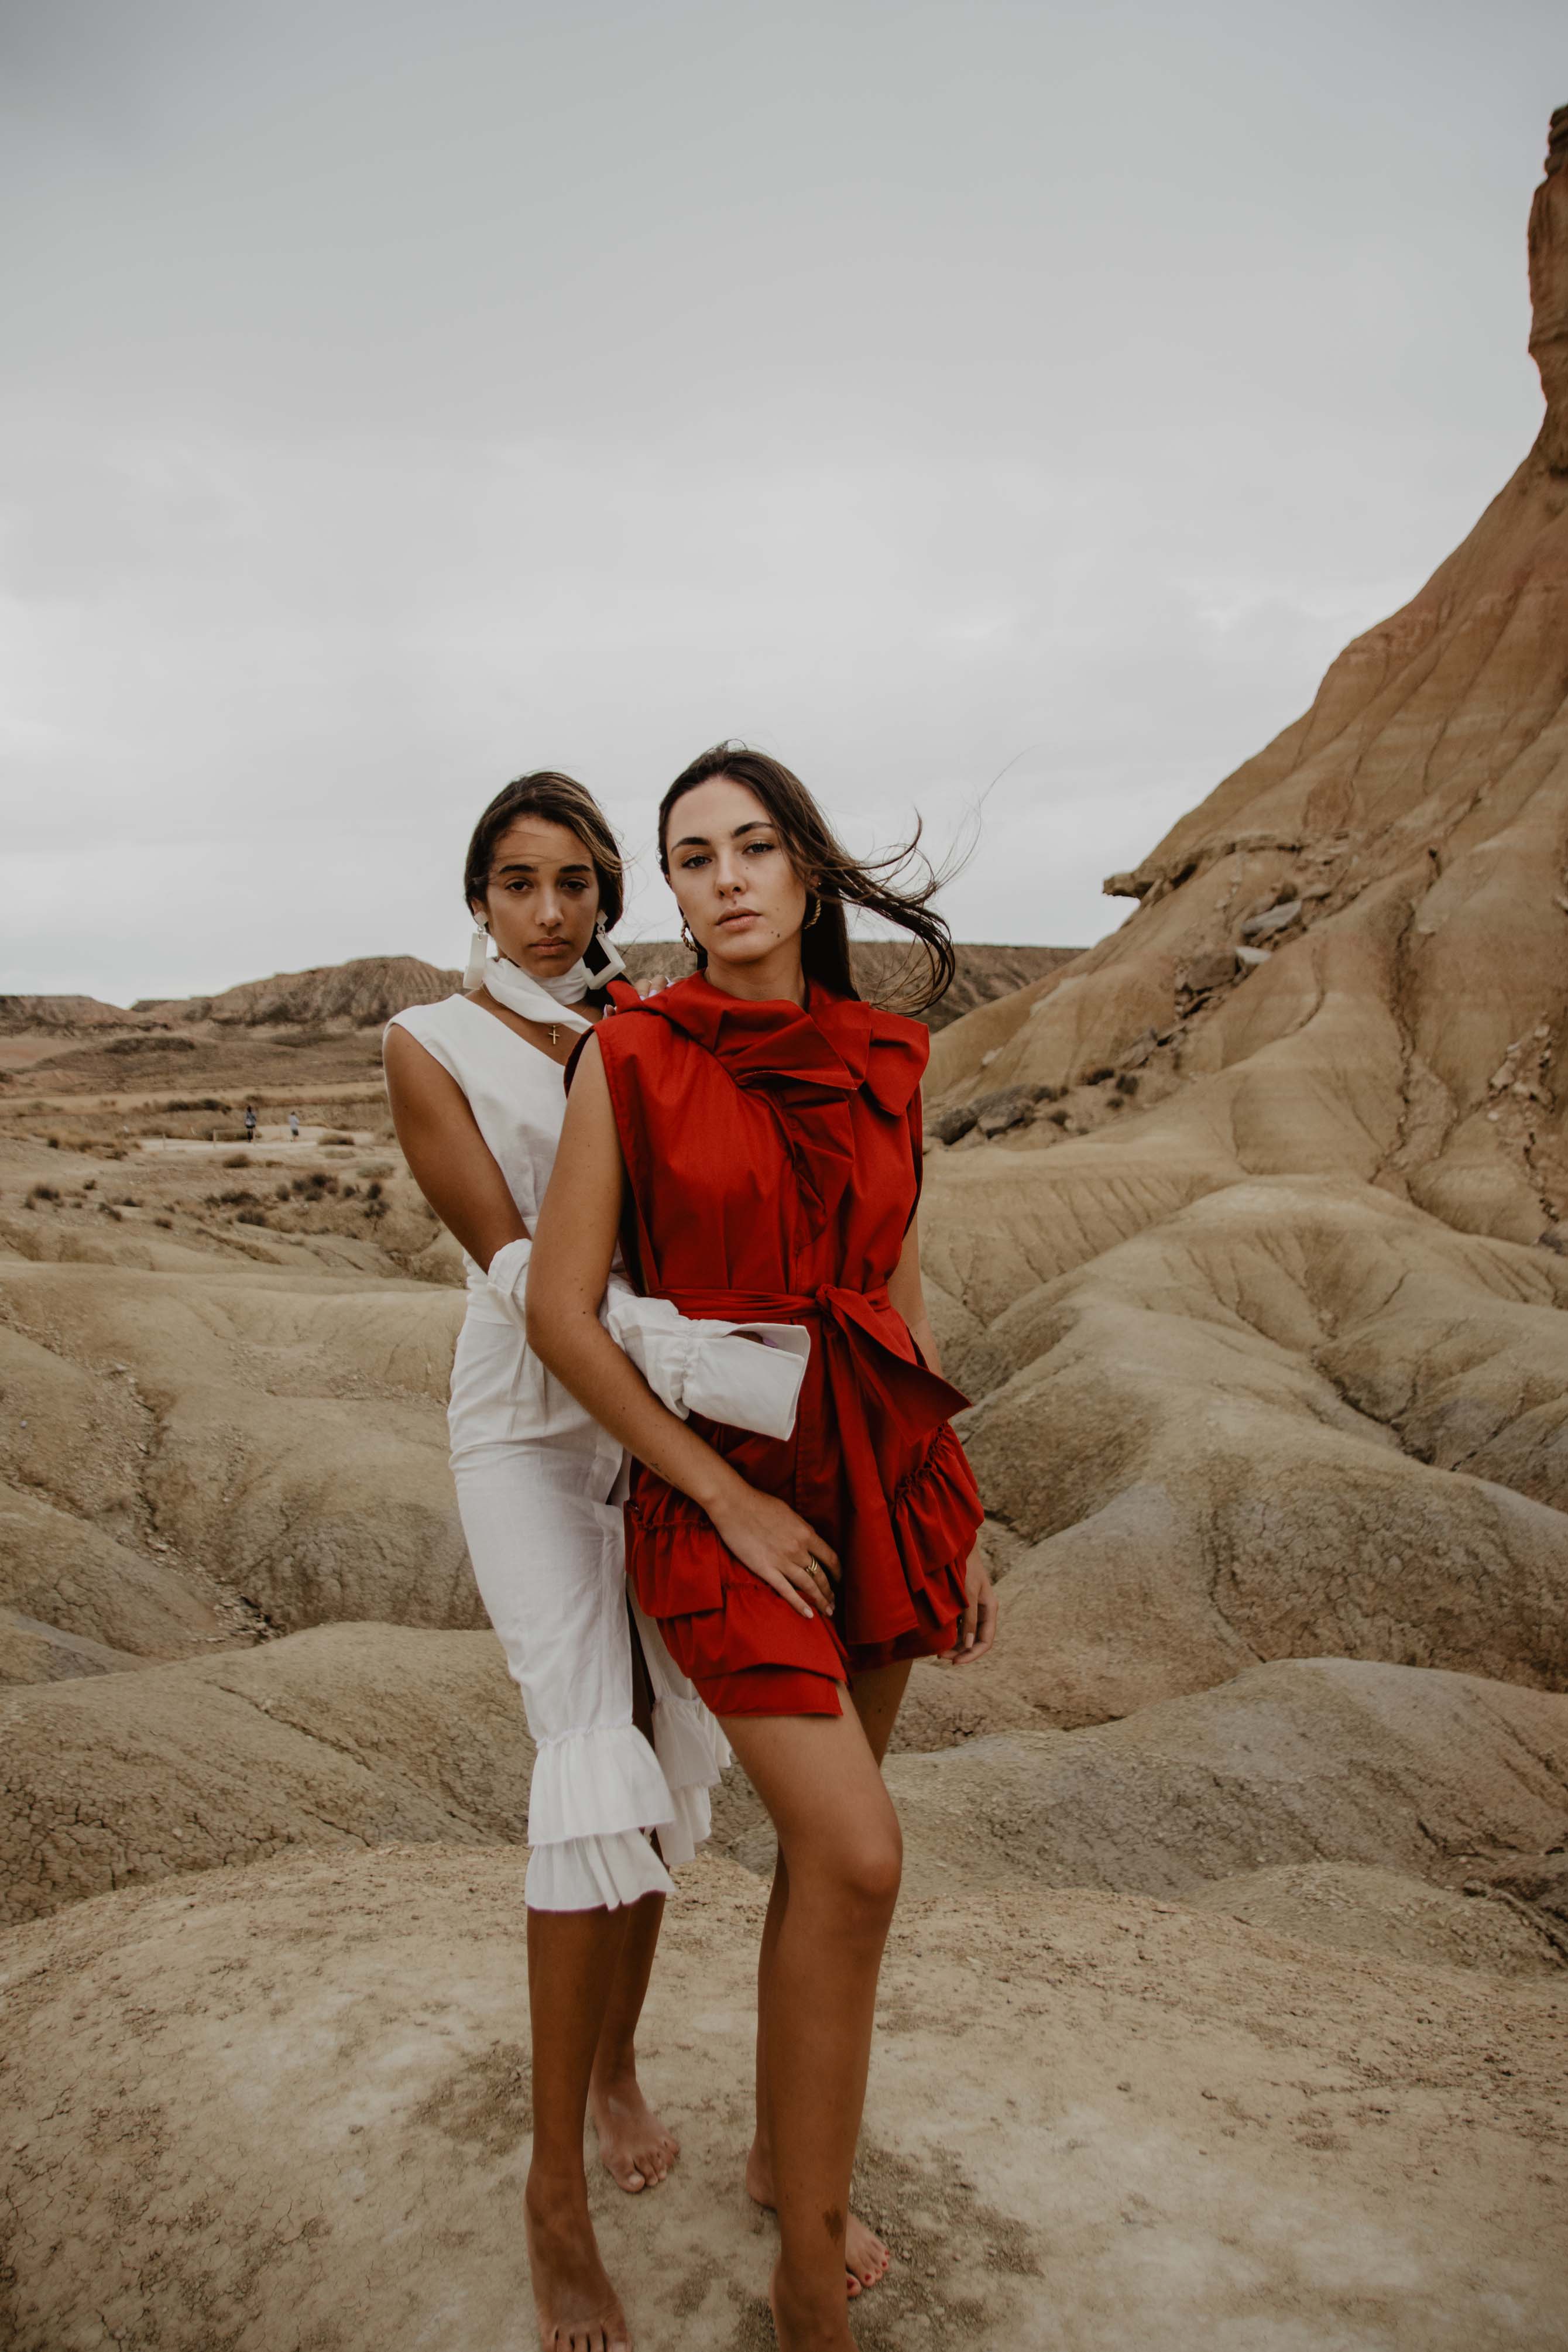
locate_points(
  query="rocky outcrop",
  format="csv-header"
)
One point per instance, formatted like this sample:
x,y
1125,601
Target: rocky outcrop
x,y
69,1015
1261,1309
1393,870
1549,293
364,994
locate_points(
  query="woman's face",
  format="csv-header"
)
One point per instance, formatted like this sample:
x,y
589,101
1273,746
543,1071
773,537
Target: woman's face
x,y
542,897
739,896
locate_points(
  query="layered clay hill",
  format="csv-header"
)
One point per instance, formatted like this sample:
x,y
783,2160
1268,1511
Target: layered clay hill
x,y
1226,2002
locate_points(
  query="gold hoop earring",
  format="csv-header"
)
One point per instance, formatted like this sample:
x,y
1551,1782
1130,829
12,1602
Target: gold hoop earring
x,y
687,939
816,910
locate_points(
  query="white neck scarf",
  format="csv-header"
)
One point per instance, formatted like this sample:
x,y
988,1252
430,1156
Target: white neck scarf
x,y
552,1001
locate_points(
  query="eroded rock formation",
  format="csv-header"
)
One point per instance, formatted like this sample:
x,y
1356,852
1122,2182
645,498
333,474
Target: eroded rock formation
x,y
1261,1294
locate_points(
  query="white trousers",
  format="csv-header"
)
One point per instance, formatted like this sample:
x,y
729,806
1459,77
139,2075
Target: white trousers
x,y
539,1487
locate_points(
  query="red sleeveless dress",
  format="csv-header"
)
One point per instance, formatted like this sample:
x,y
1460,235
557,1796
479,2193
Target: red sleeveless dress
x,y
773,1166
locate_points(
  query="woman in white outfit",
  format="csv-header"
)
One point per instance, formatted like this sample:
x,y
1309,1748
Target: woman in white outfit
x,y
626,1750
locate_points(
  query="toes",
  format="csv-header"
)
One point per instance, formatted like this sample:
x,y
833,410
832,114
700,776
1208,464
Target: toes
x,y
851,2286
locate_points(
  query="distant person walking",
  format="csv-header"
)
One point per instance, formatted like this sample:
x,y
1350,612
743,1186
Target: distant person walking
x,y
294,1126
249,1124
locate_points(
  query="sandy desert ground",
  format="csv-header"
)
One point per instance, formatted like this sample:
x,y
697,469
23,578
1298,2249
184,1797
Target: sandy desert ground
x,y
1226,2002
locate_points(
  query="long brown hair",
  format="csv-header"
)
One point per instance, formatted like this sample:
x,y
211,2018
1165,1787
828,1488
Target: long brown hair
x,y
833,880
561,799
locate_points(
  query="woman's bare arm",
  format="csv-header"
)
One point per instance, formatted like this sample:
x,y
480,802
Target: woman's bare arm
x,y
906,1290
451,1163
574,1243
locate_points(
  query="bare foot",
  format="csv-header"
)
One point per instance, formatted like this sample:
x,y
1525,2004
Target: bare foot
x,y
865,2257
801,2328
579,2310
633,2145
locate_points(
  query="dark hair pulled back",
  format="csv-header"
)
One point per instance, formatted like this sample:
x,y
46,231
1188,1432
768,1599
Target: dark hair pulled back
x,y
833,878
561,799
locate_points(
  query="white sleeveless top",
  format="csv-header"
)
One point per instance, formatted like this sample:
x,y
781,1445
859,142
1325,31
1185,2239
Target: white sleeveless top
x,y
516,1094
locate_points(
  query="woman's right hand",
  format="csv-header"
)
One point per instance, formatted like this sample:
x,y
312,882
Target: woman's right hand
x,y
777,1544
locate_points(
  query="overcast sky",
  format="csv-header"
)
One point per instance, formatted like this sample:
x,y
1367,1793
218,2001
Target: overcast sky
x,y
398,397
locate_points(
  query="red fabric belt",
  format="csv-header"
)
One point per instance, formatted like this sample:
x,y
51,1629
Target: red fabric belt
x,y
774,1306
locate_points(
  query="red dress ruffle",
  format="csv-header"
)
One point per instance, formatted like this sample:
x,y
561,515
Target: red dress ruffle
x,y
773,1165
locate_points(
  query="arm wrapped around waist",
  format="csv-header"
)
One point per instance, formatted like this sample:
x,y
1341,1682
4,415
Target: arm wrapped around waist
x,y
747,1375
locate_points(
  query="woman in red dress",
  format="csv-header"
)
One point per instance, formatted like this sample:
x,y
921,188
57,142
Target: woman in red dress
x,y
752,1136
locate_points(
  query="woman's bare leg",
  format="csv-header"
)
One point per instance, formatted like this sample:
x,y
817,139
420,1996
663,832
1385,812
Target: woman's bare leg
x,y
635,2148
574,1958
838,1837
633,2145
876,1697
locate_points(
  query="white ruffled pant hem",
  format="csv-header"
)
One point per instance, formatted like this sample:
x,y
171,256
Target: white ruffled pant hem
x,y
595,1783
595,1874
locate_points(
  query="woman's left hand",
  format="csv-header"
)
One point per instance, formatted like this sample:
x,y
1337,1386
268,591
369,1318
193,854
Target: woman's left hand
x,y
978,1627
